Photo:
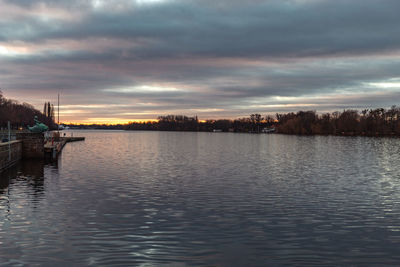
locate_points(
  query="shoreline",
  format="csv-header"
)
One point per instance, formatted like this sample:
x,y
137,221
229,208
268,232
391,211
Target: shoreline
x,y
277,132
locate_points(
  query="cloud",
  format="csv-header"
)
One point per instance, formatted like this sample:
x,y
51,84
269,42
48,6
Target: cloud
x,y
221,58
226,29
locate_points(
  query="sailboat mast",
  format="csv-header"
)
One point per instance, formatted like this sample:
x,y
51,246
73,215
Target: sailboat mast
x,y
58,115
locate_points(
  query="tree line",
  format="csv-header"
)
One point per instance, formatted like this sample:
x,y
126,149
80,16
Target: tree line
x,y
253,123
21,115
371,122
95,126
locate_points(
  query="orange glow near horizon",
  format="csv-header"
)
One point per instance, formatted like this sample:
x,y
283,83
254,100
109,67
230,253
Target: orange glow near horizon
x,y
107,121
115,121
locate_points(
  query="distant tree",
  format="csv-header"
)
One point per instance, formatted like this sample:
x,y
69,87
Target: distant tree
x,y
255,120
348,122
48,110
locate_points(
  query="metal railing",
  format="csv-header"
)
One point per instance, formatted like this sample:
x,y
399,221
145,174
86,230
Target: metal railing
x,y
9,134
5,137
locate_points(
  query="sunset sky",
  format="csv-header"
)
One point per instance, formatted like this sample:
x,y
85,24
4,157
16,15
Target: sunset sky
x,y
123,60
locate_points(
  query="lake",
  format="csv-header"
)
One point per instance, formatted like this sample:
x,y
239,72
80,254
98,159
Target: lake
x,y
205,199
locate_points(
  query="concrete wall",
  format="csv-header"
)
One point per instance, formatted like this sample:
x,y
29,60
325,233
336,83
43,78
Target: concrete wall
x,y
32,144
16,154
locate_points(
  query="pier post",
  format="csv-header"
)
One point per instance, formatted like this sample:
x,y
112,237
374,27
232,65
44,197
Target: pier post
x,y
9,141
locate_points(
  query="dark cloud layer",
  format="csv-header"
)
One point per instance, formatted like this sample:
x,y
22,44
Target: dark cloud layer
x,y
216,58
201,28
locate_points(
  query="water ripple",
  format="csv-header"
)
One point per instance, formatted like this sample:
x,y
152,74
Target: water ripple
x,y
203,199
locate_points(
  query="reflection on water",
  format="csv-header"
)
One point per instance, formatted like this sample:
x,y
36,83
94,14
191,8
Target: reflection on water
x,y
31,171
26,176
165,198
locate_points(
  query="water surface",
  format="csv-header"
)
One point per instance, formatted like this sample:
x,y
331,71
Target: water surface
x,y
214,199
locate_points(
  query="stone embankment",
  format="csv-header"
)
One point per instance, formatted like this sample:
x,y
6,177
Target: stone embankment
x,y
30,145
10,153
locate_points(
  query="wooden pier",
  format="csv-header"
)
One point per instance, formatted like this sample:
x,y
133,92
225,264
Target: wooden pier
x,y
54,148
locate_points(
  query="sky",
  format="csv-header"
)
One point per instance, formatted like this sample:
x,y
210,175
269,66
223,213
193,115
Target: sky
x,y
116,61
